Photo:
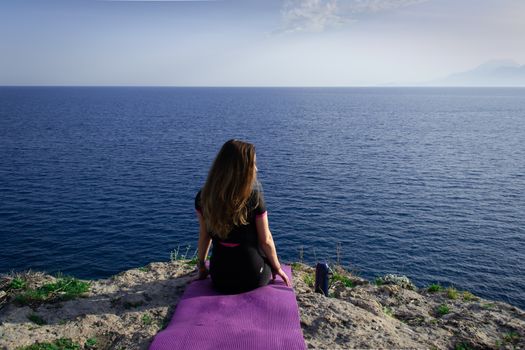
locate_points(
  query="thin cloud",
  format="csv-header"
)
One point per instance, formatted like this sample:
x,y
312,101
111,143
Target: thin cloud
x,y
309,15
160,0
318,15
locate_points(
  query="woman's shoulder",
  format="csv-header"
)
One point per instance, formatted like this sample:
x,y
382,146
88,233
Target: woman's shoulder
x,y
254,196
257,189
256,202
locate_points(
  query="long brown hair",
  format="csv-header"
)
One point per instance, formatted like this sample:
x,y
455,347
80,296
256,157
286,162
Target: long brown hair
x,y
228,187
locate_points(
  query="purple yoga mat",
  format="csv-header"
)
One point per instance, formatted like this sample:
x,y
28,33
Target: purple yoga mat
x,y
264,318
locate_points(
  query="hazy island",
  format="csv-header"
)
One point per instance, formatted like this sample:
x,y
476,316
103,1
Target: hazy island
x,y
39,311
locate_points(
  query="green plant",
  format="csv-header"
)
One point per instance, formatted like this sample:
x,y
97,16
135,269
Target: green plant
x,y
511,337
435,287
443,309
143,269
174,254
193,261
17,283
452,293
462,346
177,255
147,319
59,344
309,279
90,343
347,282
295,266
64,288
378,281
468,296
37,319
488,306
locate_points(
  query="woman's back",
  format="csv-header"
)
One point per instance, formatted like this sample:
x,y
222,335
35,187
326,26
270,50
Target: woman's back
x,y
237,263
233,215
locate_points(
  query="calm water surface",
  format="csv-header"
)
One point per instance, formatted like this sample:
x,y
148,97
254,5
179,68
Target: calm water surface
x,y
424,182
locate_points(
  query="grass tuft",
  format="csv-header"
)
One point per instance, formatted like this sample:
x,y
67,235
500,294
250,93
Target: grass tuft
x,y
193,261
347,282
511,337
462,346
91,343
147,319
452,293
443,309
176,255
295,266
64,288
17,283
434,287
309,280
468,296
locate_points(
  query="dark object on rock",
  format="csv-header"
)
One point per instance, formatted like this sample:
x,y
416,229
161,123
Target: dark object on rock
x,y
322,272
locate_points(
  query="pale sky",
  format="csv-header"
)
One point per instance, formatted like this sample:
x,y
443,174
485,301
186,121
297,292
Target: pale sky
x,y
253,43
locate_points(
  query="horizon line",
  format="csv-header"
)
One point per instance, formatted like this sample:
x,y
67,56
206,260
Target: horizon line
x,y
273,86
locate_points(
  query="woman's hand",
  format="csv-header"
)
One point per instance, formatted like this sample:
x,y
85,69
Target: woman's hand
x,y
283,275
203,273
203,270
204,246
268,246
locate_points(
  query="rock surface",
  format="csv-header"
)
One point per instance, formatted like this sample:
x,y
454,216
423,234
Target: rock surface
x,y
127,310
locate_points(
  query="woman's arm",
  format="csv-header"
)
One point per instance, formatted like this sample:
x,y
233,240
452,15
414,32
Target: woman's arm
x,y
203,247
268,246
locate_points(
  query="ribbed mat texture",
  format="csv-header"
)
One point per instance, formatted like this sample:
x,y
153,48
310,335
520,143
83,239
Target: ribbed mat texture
x,y
265,318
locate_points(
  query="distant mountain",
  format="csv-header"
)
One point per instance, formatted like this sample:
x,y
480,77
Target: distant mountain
x,y
492,73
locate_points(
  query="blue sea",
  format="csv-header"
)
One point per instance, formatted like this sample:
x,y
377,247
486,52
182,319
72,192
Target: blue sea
x,y
426,182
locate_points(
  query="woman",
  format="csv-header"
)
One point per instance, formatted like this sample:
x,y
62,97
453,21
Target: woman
x,y
232,214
